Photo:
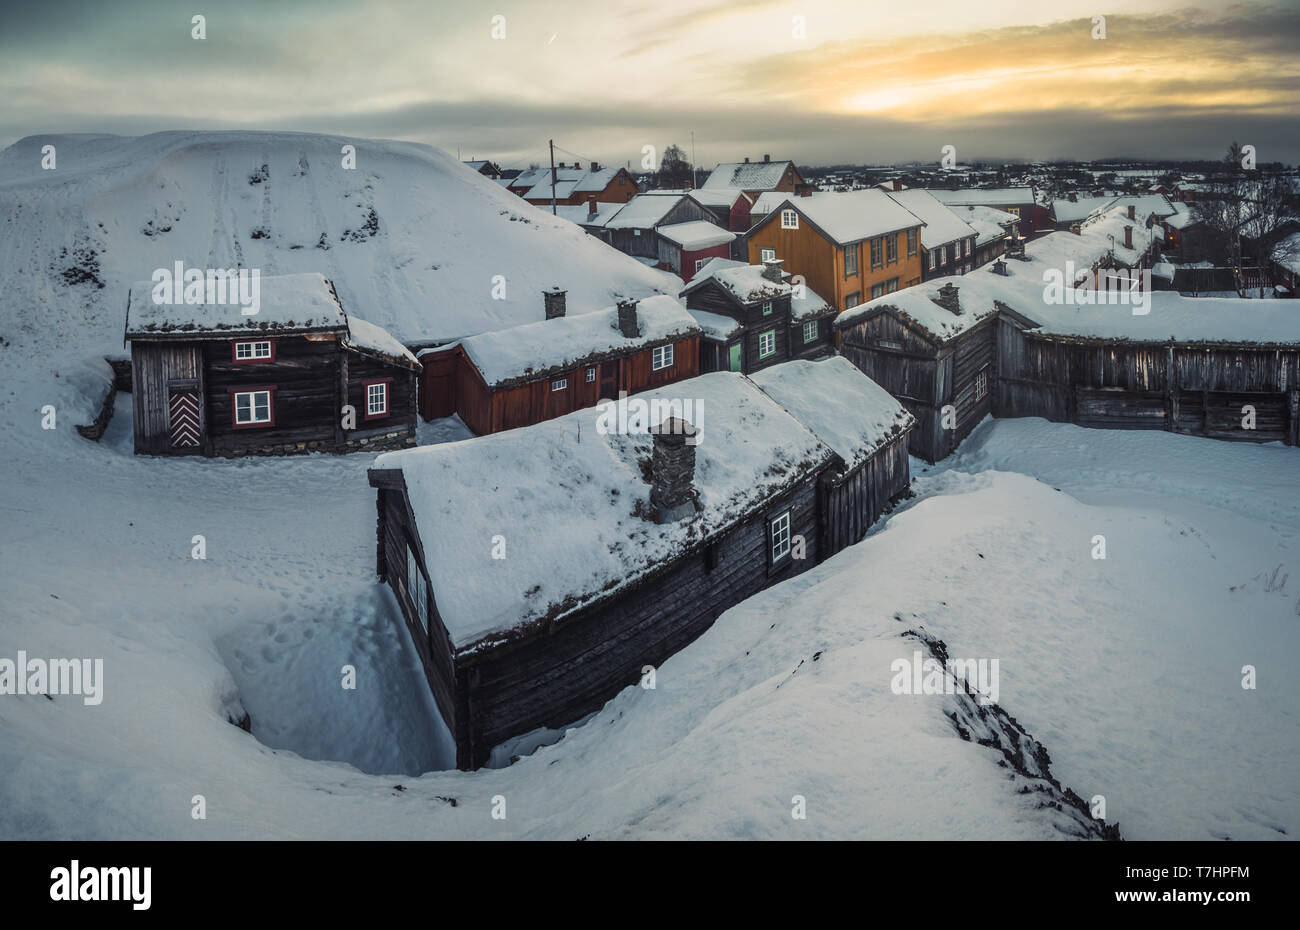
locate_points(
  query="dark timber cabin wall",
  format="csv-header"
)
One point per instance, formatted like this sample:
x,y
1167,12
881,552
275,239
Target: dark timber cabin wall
x,y
925,376
155,366
851,503
1194,389
563,672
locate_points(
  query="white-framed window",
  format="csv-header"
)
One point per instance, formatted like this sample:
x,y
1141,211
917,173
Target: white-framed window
x,y
767,255
965,247
416,589
767,343
767,308
252,407
779,535
810,331
253,351
933,260
981,384
661,357
591,375
377,399
559,384
789,219
700,263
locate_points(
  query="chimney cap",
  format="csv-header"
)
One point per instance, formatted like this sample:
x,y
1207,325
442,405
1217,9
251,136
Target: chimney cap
x,y
767,158
674,426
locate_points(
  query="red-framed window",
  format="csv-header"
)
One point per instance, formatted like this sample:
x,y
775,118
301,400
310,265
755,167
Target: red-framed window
x,y
377,397
252,406
252,351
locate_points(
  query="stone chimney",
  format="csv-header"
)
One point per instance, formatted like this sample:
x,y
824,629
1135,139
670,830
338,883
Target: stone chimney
x,y
766,159
999,267
947,299
772,270
554,301
591,205
1128,236
747,159
672,470
627,320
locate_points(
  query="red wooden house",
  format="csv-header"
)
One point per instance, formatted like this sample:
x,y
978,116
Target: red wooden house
x,y
517,377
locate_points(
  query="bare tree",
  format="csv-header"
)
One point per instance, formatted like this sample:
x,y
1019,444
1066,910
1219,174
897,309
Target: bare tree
x,y
675,170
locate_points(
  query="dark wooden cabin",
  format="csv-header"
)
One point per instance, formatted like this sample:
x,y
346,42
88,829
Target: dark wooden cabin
x,y
524,375
536,592
752,317
209,380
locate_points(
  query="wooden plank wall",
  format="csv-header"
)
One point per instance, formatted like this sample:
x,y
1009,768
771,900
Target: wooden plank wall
x,y
153,365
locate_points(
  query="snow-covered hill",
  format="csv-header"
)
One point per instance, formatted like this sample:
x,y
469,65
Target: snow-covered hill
x,y
411,238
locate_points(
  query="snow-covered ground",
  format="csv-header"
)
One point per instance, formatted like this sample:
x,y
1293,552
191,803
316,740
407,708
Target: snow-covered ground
x,y
1127,670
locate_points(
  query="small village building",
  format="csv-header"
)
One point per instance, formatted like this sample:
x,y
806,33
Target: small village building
x,y
516,377
1286,266
298,375
633,230
995,231
619,537
1035,217
575,185
485,168
848,247
751,317
947,241
684,248
756,177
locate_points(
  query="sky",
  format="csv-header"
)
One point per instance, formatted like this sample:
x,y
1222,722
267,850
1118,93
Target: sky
x,y
819,82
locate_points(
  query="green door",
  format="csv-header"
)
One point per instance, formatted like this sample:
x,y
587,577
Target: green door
x,y
735,356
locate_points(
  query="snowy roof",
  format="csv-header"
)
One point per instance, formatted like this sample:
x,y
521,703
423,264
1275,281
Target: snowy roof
x,y
696,234
536,349
1163,270
716,326
544,190
291,303
582,216
595,181
767,201
718,196
1025,291
748,285
843,407
1072,211
1099,236
1182,219
942,225
749,176
534,176
851,216
571,496
644,211
989,223
369,338
1007,196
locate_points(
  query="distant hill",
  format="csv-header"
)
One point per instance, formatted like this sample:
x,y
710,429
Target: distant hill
x,y
411,238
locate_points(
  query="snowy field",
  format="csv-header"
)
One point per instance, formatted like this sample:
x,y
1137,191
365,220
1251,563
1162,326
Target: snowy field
x,y
1126,669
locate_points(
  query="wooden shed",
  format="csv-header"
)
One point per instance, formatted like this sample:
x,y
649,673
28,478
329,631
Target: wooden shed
x,y
541,570
296,375
524,375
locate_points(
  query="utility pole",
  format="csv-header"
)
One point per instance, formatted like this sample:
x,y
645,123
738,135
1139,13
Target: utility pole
x,y
552,142
695,166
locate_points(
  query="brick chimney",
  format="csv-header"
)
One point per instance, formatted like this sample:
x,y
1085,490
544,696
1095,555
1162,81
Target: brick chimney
x,y
1073,197
772,270
553,299
1132,211
591,205
672,470
947,299
766,159
595,166
627,320
1128,236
